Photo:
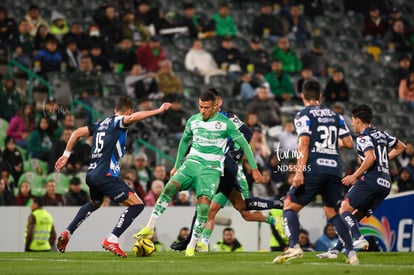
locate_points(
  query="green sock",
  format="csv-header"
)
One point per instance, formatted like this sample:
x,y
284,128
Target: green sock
x,y
202,214
162,203
205,237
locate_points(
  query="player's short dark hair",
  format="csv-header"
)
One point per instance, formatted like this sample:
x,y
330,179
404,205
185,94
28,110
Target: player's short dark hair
x,y
311,89
208,96
38,201
124,103
363,112
215,92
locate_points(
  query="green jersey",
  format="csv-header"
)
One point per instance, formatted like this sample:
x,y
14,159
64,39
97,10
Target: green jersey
x,y
209,139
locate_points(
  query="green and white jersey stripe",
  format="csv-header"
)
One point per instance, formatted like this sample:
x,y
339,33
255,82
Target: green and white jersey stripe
x,y
209,138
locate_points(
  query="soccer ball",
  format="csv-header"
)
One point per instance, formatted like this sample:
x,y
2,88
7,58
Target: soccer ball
x,y
144,248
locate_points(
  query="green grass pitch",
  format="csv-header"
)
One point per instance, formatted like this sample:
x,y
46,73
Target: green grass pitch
x,y
202,263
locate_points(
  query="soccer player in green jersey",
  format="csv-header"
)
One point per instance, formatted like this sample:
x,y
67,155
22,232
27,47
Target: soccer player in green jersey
x,y
208,132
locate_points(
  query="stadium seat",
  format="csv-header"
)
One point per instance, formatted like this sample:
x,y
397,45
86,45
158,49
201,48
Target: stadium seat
x,y
398,120
378,120
3,129
380,107
35,165
178,66
36,182
192,92
183,42
192,79
62,181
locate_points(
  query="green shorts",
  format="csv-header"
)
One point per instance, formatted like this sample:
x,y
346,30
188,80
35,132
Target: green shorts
x,y
192,175
221,199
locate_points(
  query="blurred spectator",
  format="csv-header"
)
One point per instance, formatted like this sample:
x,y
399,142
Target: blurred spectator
x,y
50,110
403,69
374,25
339,107
139,84
143,170
6,186
149,17
151,54
396,38
35,19
336,88
71,56
251,120
40,140
48,59
152,196
133,30
266,108
183,234
8,29
315,59
260,149
404,181
168,82
256,59
40,234
305,74
75,195
195,24
13,157
159,246
160,173
183,199
85,82
327,240
24,196
95,38
405,157
77,34
21,125
278,178
304,241
229,58
395,15
278,239
10,98
223,22
299,26
288,140
131,175
410,167
175,117
42,35
268,24
406,89
101,63
201,61
51,198
58,26
110,27
290,61
264,189
245,88
280,83
229,243
23,45
313,8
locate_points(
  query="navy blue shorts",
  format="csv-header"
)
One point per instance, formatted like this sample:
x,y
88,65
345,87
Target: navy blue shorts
x,y
113,187
328,186
366,194
229,179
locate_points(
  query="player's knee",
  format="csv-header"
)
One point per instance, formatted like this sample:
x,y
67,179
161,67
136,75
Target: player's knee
x,y
203,209
170,189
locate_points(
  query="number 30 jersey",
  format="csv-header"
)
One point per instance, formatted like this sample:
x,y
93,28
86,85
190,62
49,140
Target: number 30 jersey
x,y
324,127
108,146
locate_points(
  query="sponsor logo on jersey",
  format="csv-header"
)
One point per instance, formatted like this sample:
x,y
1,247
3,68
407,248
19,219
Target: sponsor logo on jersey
x,y
326,162
383,182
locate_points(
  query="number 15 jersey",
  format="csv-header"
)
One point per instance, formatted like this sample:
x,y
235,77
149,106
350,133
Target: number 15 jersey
x,y
108,146
324,127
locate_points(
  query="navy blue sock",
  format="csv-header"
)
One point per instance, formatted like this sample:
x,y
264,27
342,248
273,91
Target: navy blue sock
x,y
291,226
126,218
192,226
352,223
258,204
82,214
343,231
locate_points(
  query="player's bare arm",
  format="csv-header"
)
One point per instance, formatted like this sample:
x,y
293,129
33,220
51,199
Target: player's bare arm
x,y
140,115
397,150
369,160
303,151
73,140
346,142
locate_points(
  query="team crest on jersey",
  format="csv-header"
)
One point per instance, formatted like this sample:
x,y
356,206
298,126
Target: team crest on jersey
x,y
362,140
298,124
218,125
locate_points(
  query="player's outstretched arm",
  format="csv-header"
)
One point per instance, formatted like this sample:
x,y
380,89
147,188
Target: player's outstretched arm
x,y
346,142
242,142
73,140
140,115
397,150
